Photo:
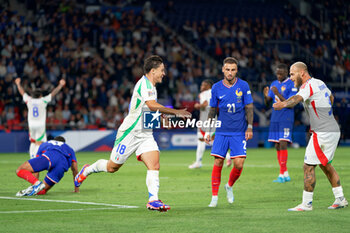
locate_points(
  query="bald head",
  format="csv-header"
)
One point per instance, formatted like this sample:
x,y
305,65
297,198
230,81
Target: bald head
x,y
300,66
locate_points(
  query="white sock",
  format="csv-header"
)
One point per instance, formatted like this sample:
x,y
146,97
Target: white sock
x,y
200,151
307,197
286,173
214,198
32,150
281,175
338,192
98,166
152,182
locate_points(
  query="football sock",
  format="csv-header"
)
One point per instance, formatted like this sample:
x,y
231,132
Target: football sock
x,y
32,150
152,182
234,175
98,166
338,192
215,180
200,151
27,175
279,161
42,192
283,158
286,174
307,197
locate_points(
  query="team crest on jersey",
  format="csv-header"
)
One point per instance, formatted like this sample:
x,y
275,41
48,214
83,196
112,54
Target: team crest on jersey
x,y
283,88
239,93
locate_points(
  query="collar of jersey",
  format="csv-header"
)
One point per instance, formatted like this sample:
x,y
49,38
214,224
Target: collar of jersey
x,y
232,84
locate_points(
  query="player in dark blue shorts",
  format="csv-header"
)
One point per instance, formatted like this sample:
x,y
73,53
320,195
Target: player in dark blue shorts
x,y
232,97
281,123
56,157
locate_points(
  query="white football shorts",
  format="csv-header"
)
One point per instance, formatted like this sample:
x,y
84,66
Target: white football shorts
x,y
37,132
321,148
132,143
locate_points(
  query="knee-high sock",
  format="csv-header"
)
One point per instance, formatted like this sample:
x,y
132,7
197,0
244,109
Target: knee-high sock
x,y
234,175
283,159
42,192
152,182
98,166
279,161
27,175
215,180
200,151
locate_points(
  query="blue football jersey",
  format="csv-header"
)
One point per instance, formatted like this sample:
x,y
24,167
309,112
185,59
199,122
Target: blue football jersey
x,y
58,147
231,102
286,89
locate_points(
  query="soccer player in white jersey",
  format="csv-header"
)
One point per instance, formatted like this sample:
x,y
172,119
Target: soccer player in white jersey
x,y
317,100
132,138
36,105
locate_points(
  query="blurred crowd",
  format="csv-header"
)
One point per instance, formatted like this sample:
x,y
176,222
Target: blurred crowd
x,y
100,54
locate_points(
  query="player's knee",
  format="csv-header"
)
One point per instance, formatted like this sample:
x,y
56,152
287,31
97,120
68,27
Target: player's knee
x,y
239,166
111,169
219,162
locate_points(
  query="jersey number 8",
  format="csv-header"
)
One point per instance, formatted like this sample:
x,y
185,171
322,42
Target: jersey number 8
x,y
35,111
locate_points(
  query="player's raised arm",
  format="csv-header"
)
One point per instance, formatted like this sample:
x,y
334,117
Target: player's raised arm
x,y
154,106
58,88
74,168
19,86
289,103
249,113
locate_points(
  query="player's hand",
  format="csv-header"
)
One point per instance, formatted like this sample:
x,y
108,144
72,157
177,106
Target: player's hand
x,y
248,134
18,81
266,91
278,105
207,138
197,106
62,82
183,113
274,90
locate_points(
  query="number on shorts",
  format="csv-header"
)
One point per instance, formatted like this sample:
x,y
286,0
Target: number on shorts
x,y
244,144
35,111
121,149
286,132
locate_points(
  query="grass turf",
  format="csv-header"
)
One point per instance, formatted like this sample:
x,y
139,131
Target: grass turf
x,y
260,205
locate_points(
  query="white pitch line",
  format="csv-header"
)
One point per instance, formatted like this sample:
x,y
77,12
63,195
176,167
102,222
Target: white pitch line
x,y
73,202
58,210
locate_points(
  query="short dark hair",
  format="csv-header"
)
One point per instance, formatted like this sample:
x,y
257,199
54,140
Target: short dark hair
x,y
37,94
152,62
282,66
59,139
209,82
230,60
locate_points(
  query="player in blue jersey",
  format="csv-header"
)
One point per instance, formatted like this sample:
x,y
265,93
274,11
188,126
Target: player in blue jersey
x,y
281,123
56,157
232,97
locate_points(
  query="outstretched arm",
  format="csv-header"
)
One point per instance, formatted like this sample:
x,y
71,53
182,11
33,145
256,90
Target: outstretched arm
x,y
19,86
74,169
249,114
58,88
289,103
154,106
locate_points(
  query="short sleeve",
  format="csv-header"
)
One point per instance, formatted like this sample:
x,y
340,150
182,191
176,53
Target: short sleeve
x,y
305,92
147,91
26,97
74,158
247,95
292,91
213,99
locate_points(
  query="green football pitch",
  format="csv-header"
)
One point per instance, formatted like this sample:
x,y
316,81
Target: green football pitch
x,y
117,202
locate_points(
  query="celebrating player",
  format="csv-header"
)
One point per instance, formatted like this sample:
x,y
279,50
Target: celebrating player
x,y
56,157
281,125
131,138
36,105
233,98
317,100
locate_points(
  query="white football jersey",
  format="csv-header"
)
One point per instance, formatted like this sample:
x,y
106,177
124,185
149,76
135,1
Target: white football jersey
x,y
143,91
36,109
204,96
317,104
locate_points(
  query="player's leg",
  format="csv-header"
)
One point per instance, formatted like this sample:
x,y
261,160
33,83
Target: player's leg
x,y
285,137
309,186
219,150
274,137
333,177
199,153
280,178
